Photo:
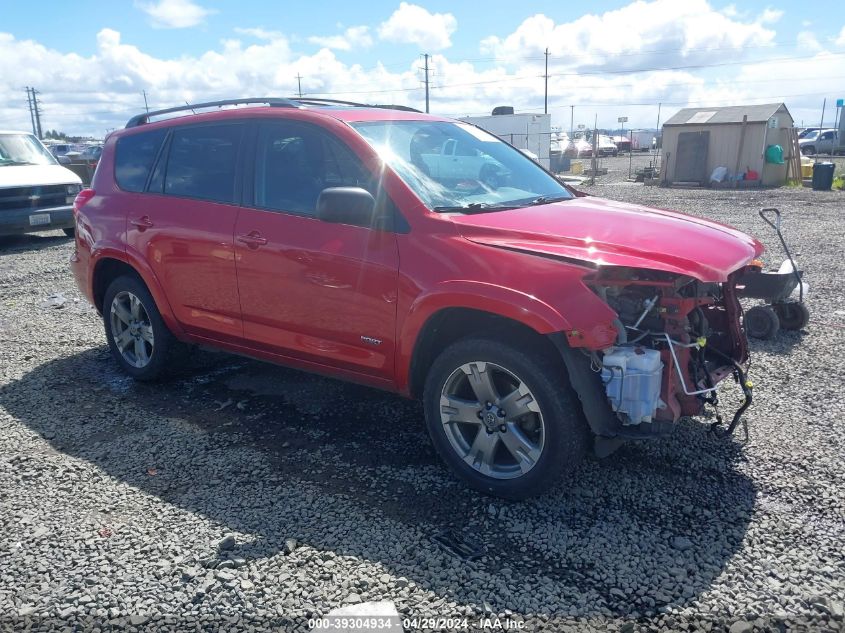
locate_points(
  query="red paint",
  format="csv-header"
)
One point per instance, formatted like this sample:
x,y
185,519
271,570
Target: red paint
x,y
303,292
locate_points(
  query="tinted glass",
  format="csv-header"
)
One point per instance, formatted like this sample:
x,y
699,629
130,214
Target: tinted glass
x,y
295,162
134,158
201,162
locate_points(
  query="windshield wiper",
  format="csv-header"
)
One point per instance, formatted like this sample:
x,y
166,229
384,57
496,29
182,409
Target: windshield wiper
x,y
548,200
474,207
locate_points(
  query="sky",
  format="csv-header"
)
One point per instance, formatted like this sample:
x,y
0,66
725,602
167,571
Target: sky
x,y
92,60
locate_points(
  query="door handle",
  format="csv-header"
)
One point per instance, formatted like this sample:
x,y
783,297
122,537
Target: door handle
x,y
253,239
142,223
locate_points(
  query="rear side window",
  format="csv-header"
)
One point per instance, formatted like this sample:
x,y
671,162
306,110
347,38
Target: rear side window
x,y
202,162
134,158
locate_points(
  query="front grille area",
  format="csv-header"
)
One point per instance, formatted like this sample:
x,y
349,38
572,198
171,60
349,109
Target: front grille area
x,y
38,197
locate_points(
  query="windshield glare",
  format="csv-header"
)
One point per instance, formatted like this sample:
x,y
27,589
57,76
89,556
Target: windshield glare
x,y
23,149
451,166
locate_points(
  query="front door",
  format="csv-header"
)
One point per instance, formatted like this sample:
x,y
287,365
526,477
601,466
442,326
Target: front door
x,y
183,227
318,291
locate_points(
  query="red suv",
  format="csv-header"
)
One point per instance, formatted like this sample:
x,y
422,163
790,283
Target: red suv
x,y
415,254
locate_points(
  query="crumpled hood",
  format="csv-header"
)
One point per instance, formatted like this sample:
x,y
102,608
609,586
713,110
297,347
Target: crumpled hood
x,y
33,175
604,232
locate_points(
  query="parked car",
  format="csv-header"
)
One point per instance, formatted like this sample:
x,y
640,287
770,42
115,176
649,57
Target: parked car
x,y
91,154
583,148
806,131
36,193
59,149
530,319
606,146
820,142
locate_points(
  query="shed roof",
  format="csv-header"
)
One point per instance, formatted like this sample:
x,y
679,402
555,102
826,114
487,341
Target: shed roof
x,y
727,114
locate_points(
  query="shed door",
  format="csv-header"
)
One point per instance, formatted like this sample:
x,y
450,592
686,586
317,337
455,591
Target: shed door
x,y
691,158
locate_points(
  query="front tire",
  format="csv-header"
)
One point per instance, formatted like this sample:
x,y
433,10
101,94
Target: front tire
x,y
138,338
503,418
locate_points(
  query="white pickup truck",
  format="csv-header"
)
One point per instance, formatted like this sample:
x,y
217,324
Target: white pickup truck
x,y
457,162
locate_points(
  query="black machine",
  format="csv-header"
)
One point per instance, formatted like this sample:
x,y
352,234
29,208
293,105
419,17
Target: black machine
x,y
776,289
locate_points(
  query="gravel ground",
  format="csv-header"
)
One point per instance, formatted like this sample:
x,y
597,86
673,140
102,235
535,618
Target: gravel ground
x,y
243,495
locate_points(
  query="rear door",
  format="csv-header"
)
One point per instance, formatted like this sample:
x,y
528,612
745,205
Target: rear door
x,y
183,226
318,291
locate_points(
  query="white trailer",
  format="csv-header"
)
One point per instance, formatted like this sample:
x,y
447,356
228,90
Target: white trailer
x,y
641,140
524,131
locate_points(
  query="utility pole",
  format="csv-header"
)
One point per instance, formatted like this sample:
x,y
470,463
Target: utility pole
x,y
571,122
425,68
146,107
37,113
546,93
299,84
31,113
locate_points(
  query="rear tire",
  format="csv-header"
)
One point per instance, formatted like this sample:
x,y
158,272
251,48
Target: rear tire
x,y
137,336
525,434
70,232
762,322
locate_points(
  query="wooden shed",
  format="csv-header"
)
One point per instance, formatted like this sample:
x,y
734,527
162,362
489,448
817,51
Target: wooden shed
x,y
698,140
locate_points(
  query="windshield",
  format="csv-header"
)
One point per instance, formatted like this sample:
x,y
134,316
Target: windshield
x,y
459,167
23,149
811,136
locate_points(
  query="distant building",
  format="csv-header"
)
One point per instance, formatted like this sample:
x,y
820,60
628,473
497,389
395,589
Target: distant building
x,y
697,140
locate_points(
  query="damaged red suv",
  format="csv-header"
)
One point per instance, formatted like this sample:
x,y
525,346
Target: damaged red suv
x,y
415,254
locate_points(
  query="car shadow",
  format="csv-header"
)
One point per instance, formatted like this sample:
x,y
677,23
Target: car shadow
x,y
31,241
272,454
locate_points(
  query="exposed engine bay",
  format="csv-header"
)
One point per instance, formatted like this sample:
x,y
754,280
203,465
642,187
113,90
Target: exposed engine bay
x,y
677,339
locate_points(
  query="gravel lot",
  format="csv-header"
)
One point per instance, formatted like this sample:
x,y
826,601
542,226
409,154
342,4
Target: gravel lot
x,y
243,495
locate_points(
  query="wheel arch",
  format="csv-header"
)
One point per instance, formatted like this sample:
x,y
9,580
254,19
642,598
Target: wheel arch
x,y
450,324
109,267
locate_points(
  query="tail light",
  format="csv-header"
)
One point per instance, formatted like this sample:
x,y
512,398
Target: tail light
x,y
82,199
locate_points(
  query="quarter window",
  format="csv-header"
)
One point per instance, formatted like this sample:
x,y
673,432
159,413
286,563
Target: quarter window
x,y
295,162
202,162
134,158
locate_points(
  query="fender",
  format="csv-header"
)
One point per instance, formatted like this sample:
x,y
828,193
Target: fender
x,y
147,275
486,297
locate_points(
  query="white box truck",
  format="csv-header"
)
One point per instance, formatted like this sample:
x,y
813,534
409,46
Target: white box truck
x,y
642,140
532,132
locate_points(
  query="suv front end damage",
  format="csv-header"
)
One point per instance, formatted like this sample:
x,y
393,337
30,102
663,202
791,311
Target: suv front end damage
x,y
677,339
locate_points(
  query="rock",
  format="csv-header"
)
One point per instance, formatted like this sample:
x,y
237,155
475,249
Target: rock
x,y
741,626
224,576
290,545
681,543
352,598
137,619
227,543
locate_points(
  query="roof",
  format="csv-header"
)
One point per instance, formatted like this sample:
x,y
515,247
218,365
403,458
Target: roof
x,y
728,114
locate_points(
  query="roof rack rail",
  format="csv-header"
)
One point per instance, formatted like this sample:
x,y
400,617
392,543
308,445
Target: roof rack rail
x,y
141,119
320,100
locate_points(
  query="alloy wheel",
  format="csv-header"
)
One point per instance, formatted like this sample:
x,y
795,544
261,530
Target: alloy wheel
x,y
492,420
131,329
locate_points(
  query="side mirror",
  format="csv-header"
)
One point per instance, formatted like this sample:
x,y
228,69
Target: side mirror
x,y
346,205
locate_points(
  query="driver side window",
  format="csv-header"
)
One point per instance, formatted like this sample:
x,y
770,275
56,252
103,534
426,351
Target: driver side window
x,y
296,161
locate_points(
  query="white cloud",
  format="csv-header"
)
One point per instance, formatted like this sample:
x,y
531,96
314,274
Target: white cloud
x,y
840,41
640,34
807,40
88,94
258,33
354,37
174,14
412,24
